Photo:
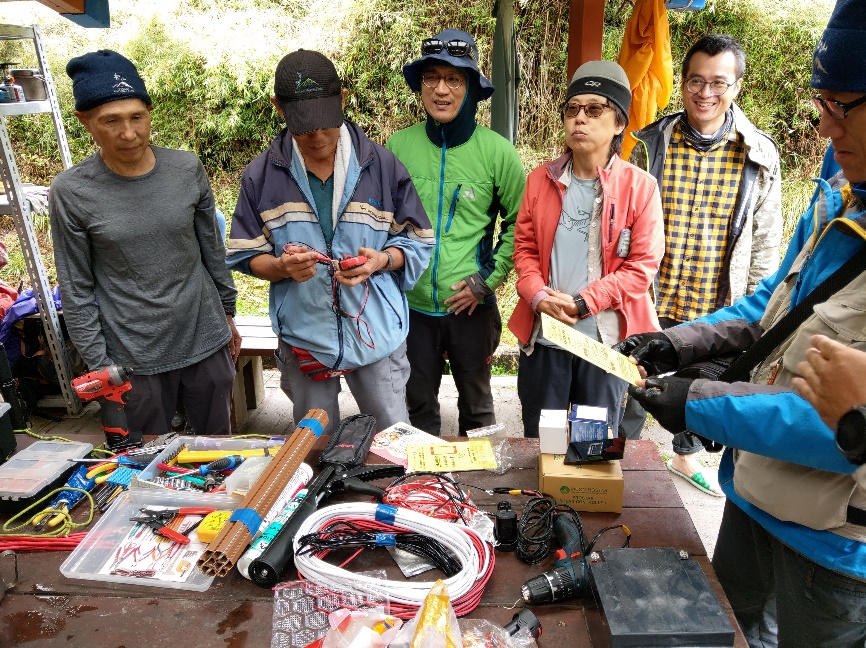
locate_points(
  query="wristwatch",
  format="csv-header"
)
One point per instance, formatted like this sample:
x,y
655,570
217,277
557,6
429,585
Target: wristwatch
x,y
390,265
582,310
851,435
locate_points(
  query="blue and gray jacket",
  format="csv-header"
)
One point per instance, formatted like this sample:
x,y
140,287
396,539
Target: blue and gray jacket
x,y
379,208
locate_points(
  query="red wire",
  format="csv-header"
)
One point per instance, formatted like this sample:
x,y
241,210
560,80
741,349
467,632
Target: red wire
x,y
335,286
36,543
430,497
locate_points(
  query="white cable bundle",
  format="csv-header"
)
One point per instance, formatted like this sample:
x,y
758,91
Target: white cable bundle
x,y
455,537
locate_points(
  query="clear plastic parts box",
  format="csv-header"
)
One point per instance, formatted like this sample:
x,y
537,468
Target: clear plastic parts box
x,y
110,541
36,470
147,478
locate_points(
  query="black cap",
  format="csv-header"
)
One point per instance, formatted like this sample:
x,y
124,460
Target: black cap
x,y
308,88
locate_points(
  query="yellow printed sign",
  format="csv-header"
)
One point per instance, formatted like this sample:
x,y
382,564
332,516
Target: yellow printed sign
x,y
475,454
590,350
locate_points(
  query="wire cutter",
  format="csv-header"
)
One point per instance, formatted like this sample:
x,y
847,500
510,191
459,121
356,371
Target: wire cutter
x,y
159,519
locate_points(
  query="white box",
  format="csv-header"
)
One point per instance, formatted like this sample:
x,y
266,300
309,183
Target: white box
x,y
553,432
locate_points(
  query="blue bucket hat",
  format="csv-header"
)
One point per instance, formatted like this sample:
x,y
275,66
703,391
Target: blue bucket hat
x,y
467,63
839,62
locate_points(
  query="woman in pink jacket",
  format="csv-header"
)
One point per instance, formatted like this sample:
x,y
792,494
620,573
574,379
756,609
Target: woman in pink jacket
x,y
588,243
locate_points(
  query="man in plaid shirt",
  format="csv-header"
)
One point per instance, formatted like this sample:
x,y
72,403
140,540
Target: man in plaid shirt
x,y
721,192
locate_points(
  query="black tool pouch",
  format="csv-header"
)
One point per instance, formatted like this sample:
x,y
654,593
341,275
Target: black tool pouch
x,y
350,442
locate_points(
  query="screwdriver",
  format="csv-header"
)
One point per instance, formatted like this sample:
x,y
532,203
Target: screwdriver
x,y
120,460
226,463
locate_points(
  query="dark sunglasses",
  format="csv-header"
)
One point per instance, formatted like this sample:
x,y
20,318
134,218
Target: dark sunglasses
x,y
453,47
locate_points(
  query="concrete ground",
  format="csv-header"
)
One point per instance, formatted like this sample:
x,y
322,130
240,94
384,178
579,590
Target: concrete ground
x,y
705,510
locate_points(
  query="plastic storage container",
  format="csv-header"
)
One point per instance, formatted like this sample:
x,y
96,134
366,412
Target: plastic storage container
x,y
37,470
146,478
106,540
8,443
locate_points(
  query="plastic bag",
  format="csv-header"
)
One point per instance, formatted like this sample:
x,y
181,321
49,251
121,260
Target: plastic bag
x,y
360,629
504,458
434,625
480,633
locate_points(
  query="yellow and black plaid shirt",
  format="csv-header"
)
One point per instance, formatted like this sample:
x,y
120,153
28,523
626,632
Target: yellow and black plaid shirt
x,y
699,192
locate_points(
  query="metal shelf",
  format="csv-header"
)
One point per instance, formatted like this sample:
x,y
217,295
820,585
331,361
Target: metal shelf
x,y
25,108
15,203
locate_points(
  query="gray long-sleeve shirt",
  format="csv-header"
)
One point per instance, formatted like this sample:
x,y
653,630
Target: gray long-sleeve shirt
x,y
140,263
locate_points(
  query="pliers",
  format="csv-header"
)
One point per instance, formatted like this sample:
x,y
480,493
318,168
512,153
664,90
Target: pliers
x,y
159,519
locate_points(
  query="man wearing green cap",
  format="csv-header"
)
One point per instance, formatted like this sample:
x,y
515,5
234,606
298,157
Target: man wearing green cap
x,y
470,180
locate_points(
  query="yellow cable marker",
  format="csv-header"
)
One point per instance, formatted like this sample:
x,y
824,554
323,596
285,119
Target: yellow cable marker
x,y
210,526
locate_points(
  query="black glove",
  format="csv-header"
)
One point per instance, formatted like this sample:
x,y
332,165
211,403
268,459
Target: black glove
x,y
653,351
665,398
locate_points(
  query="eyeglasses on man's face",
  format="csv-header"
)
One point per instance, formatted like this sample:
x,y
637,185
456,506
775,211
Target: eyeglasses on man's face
x,y
717,87
593,109
453,47
836,109
453,80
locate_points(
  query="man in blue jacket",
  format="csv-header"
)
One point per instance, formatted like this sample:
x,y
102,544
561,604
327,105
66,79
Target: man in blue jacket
x,y
333,221
791,552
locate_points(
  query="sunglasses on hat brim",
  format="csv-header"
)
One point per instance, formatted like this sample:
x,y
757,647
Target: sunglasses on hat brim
x,y
453,47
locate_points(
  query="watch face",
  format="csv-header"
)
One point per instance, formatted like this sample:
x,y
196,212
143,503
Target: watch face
x,y
851,435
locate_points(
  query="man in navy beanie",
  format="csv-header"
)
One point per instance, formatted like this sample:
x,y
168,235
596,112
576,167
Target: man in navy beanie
x,y
791,551
140,259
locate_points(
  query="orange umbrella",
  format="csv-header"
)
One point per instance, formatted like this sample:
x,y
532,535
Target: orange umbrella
x,y
646,58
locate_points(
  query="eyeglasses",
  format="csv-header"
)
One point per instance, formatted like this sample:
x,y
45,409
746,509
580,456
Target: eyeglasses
x,y
718,87
836,109
593,110
453,47
431,80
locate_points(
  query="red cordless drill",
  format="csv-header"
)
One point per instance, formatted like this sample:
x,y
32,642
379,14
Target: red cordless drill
x,y
108,386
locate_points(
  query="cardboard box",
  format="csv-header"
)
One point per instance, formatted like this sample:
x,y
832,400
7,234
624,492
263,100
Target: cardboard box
x,y
588,487
553,431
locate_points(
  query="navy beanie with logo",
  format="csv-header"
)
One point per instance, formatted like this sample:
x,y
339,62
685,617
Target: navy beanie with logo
x,y
103,76
839,63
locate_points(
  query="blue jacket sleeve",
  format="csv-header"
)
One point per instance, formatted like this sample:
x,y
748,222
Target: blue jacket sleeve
x,y
247,238
765,420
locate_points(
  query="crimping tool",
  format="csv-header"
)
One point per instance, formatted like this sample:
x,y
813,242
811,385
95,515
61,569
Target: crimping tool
x,y
159,519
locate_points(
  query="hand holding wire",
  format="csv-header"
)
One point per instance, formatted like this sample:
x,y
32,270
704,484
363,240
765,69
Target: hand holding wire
x,y
298,262
375,260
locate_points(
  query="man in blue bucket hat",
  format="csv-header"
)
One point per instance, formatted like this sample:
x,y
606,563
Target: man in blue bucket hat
x,y
469,179
791,552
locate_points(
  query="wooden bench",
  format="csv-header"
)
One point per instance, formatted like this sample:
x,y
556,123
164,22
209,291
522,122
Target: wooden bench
x,y
248,391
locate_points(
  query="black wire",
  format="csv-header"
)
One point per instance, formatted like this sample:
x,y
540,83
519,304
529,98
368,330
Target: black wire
x,y
602,532
535,529
345,536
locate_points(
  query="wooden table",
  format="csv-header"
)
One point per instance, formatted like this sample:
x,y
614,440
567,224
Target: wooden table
x,y
47,610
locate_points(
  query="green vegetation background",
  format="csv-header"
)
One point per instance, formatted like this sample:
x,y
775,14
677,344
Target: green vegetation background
x,y
208,65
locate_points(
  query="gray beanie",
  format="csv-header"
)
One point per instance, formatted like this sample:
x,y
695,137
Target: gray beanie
x,y
603,78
